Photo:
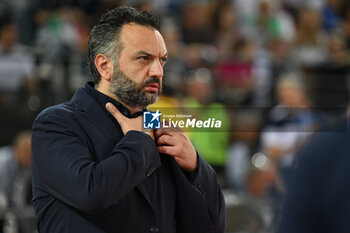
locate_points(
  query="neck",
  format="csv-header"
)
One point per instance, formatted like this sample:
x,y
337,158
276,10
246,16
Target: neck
x,y
104,89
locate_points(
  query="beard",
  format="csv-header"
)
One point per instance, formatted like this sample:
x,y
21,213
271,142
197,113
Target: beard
x,y
131,93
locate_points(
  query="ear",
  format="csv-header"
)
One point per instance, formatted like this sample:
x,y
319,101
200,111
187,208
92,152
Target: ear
x,y
104,66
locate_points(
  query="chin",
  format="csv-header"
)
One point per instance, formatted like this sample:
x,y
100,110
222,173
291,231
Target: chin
x,y
151,95
153,99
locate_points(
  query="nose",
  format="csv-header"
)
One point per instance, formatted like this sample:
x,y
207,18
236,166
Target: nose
x,y
156,70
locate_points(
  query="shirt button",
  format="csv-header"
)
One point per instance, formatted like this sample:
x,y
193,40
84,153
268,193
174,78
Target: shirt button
x,y
154,229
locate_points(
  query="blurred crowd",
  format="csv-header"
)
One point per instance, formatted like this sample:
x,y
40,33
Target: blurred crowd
x,y
273,70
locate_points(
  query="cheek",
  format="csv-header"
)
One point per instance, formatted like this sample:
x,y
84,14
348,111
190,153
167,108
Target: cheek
x,y
140,77
134,72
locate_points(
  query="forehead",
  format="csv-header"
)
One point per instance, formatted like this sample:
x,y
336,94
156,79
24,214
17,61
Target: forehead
x,y
142,38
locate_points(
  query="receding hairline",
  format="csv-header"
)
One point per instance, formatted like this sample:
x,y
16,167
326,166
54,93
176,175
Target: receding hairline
x,y
131,24
121,32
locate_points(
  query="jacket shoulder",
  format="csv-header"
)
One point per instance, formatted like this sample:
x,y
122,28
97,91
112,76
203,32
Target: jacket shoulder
x,y
63,109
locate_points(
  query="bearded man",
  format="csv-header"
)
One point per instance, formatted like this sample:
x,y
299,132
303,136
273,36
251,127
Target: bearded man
x,y
96,170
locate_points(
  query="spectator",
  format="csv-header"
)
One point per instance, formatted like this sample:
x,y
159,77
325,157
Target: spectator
x,y
61,45
16,64
290,123
274,62
338,53
17,82
331,15
195,25
310,42
235,74
176,64
259,205
212,145
244,144
331,77
15,179
224,19
269,22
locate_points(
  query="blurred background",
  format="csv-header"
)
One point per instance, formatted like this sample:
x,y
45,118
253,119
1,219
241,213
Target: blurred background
x,y
273,70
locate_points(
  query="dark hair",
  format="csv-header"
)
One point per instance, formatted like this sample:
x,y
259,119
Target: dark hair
x,y
104,37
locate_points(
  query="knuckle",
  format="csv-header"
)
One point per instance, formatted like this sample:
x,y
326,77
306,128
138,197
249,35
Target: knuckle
x,y
177,149
164,150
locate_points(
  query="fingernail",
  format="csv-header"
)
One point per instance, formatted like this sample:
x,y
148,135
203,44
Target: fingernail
x,y
109,106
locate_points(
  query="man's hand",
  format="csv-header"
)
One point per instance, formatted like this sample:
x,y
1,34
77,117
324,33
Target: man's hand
x,y
176,143
128,124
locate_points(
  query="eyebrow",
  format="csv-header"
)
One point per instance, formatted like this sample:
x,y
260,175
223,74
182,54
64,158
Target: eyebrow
x,y
142,52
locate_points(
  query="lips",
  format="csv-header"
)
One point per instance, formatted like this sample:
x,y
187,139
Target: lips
x,y
152,87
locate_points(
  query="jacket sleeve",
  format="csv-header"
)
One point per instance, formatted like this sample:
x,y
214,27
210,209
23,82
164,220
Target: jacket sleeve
x,y
205,181
63,165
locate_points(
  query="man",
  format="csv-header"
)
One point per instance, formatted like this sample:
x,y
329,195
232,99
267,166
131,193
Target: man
x,y
17,81
318,197
95,170
16,61
15,179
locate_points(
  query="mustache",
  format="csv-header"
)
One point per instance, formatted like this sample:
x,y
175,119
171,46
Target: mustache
x,y
149,81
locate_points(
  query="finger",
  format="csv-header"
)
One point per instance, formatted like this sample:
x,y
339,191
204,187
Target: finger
x,y
165,140
169,150
114,112
171,132
160,132
180,130
170,128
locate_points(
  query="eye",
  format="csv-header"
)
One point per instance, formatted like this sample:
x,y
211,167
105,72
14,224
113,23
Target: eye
x,y
163,60
143,58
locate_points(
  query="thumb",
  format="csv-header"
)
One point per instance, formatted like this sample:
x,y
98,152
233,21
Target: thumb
x,y
115,112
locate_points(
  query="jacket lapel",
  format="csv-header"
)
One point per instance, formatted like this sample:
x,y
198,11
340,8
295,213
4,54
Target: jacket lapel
x,y
92,111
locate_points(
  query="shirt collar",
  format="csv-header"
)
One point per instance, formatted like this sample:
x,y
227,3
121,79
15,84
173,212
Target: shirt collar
x,y
102,99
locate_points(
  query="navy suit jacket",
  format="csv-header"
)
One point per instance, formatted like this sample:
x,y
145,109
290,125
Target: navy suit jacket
x,y
318,199
87,176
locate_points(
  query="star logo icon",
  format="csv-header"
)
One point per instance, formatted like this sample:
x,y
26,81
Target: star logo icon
x,y
155,116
